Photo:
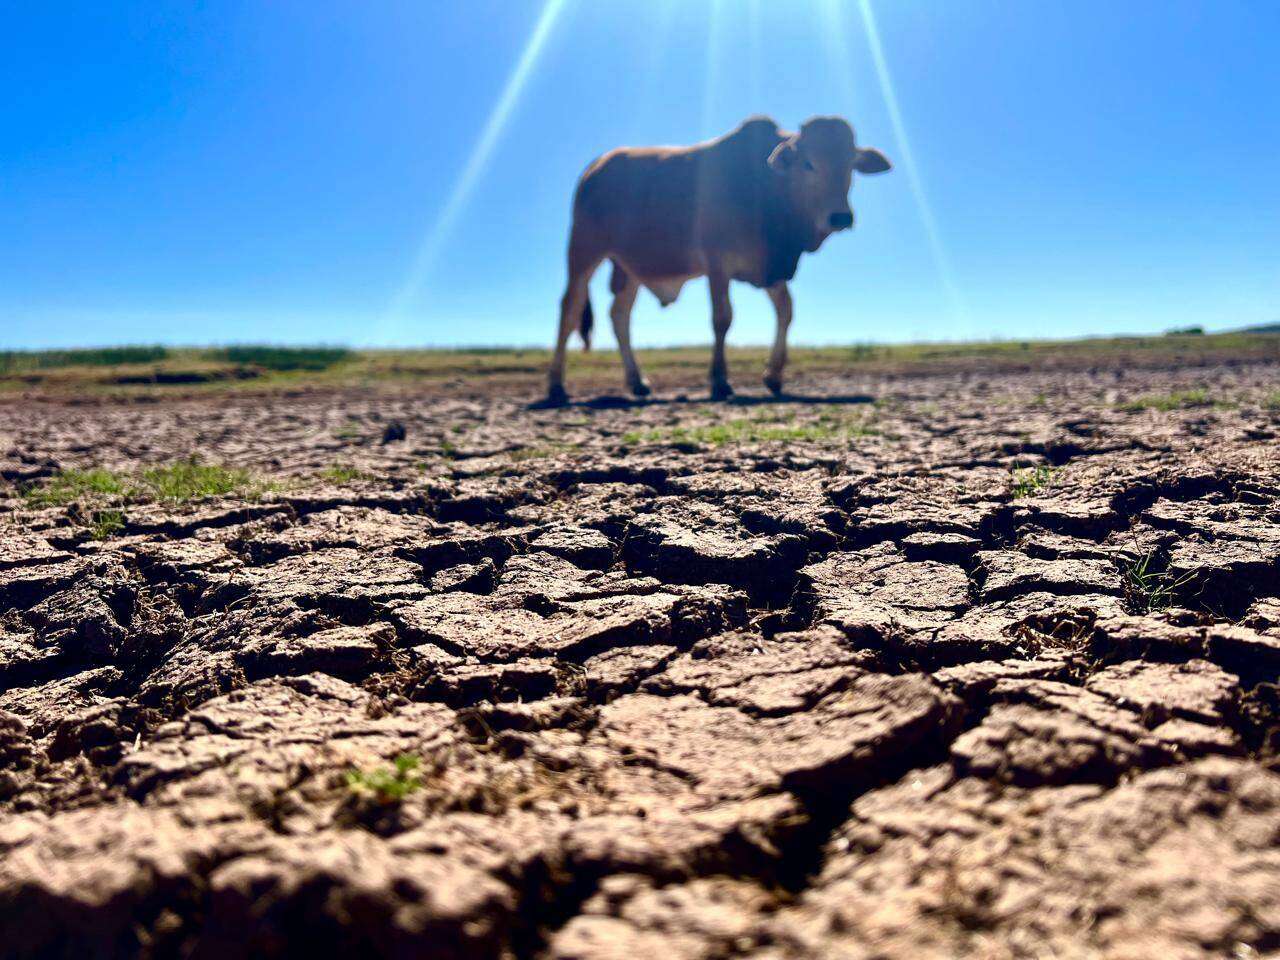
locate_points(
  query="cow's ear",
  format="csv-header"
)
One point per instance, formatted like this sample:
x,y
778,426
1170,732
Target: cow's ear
x,y
871,160
783,156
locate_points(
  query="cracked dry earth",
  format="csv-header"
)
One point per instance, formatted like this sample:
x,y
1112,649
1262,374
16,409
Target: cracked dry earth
x,y
826,689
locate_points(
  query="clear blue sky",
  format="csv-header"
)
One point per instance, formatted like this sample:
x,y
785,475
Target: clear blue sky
x,y
379,172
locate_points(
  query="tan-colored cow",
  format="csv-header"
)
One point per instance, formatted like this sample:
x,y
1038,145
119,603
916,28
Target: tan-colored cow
x,y
744,206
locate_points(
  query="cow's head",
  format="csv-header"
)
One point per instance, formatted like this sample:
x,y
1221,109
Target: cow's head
x,y
816,166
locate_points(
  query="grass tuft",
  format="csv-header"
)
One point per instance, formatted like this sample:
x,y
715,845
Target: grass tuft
x,y
387,785
284,359
174,483
71,485
1030,481
1177,400
341,473
189,480
1149,590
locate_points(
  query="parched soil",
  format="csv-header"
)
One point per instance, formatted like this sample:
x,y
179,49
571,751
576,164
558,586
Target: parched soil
x,y
957,664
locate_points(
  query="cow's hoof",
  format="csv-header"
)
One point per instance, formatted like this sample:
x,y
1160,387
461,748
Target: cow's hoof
x,y
720,390
556,396
774,384
640,389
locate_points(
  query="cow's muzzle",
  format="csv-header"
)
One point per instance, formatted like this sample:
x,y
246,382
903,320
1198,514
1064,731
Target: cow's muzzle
x,y
841,221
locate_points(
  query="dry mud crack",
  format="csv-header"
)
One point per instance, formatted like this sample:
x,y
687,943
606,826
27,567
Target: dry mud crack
x,y
985,669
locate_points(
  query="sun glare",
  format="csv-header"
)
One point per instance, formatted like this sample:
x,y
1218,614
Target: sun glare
x,y
755,55
941,260
836,40
491,133
656,41
711,80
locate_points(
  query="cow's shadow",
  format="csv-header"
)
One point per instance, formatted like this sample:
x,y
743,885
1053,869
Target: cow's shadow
x,y
755,400
613,401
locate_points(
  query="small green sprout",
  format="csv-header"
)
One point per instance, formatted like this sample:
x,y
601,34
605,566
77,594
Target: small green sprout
x,y
341,473
1030,480
384,785
106,524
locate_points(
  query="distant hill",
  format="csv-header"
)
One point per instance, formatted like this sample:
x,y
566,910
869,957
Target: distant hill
x,y
1199,330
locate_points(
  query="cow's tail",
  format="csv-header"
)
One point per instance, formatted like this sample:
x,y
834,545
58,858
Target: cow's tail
x,y
585,324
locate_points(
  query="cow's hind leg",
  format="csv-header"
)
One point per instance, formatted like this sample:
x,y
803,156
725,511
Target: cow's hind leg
x,y
781,297
572,304
624,288
721,317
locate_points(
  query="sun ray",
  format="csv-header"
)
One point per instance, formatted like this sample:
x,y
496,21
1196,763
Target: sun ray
x,y
836,41
715,41
434,240
755,47
941,260
650,98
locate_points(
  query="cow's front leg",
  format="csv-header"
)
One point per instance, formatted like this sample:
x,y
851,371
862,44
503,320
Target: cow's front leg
x,y
781,297
721,317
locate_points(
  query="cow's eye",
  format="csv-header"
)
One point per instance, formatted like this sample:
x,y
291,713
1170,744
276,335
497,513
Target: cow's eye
x,y
808,165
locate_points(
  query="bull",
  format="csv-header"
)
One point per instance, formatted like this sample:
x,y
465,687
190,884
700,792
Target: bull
x,y
744,206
